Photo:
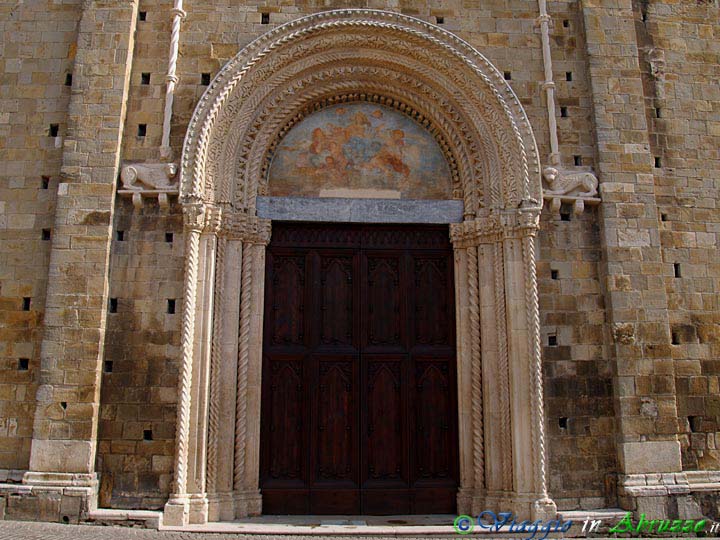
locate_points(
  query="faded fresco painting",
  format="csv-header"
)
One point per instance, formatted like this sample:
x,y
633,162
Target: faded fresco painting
x,y
359,150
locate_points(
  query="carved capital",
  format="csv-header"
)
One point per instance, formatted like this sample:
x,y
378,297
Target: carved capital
x,y
249,229
213,219
202,217
194,216
473,232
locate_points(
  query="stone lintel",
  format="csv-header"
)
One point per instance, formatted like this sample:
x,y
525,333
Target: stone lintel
x,y
350,210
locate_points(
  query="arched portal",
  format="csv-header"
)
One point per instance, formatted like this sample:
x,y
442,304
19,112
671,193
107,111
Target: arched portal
x,y
450,89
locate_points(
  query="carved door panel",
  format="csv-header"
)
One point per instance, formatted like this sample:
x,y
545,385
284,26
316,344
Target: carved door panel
x,y
359,406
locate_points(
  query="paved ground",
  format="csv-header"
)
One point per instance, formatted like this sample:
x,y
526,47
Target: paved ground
x,y
30,530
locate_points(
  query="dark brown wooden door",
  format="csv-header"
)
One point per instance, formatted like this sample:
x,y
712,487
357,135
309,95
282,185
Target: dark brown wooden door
x,y
359,411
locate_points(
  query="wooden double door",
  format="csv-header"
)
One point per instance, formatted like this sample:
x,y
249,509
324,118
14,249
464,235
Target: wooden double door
x,y
359,411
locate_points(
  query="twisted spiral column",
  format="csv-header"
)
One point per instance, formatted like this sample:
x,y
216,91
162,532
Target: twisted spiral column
x,y
477,391
243,362
533,323
171,78
194,217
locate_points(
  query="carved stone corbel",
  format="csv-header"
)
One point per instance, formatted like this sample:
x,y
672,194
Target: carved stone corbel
x,y
149,181
577,188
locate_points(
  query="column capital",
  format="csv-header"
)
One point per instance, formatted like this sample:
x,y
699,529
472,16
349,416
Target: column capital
x,y
249,229
202,217
496,226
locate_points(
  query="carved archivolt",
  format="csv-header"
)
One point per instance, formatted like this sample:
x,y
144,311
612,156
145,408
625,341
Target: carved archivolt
x,y
360,55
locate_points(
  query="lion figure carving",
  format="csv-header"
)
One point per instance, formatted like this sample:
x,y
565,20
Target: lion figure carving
x,y
149,176
577,184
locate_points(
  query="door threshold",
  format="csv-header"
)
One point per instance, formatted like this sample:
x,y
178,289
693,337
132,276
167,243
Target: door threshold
x,y
423,525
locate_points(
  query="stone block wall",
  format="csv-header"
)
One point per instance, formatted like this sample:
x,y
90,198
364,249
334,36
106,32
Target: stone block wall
x,y
136,436
681,68
577,377
37,50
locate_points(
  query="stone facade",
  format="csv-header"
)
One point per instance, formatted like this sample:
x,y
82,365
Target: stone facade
x,y
123,310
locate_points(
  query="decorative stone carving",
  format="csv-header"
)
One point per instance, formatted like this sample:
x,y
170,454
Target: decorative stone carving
x,y
368,53
155,180
463,101
574,187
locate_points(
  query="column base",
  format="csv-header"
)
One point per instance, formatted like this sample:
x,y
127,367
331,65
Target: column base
x,y
198,510
522,505
46,496
465,501
176,512
247,503
221,507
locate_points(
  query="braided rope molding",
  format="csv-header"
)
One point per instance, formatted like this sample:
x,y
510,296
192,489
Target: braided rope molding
x,y
209,107
215,359
194,216
529,225
286,105
243,362
476,368
504,368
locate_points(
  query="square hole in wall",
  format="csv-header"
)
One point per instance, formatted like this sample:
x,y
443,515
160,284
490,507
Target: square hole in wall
x,y
439,20
171,306
663,217
566,23
658,112
563,112
147,435
120,236
142,130
265,17
675,338
563,422
205,79
113,305
564,216
169,237
68,79
26,303
53,130
108,366
23,364
568,76
145,78
677,270
46,234
554,274
142,15
577,160
658,162
44,182
507,75
552,340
